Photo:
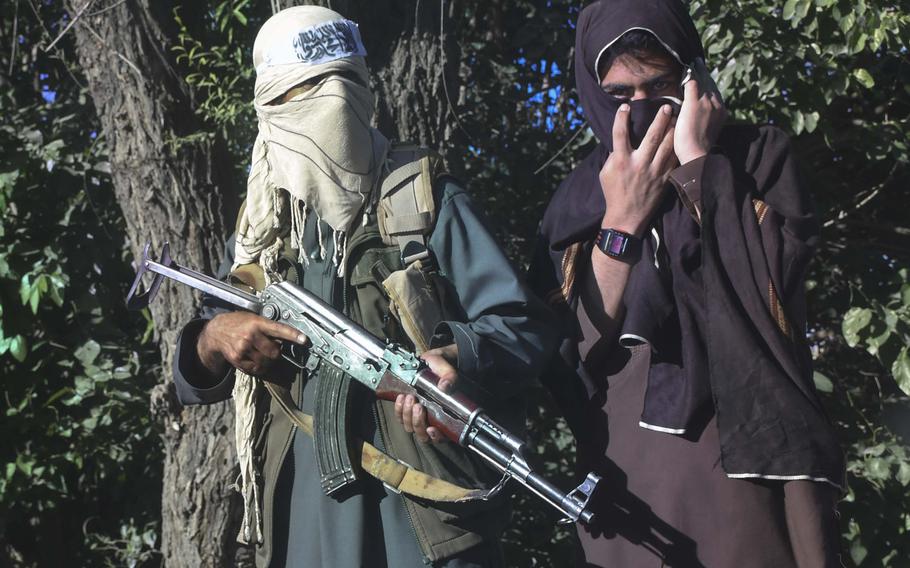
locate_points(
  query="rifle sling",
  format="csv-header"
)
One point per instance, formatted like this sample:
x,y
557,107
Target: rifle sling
x,y
396,475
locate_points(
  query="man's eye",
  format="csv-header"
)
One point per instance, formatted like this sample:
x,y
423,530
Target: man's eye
x,y
619,93
660,85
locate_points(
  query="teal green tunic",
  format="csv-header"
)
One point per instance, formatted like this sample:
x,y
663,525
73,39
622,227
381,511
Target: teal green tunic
x,y
503,338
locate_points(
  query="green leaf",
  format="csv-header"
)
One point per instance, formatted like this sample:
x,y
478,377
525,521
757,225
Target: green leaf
x,y
34,298
811,120
900,369
822,382
18,348
797,122
24,466
88,352
25,289
878,468
858,552
875,342
864,78
789,9
903,474
846,23
854,321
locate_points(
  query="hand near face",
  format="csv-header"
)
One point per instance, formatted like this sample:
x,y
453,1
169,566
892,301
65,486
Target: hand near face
x,y
412,414
632,181
701,118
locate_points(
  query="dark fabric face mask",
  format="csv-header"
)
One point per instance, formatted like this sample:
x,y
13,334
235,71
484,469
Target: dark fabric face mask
x,y
642,113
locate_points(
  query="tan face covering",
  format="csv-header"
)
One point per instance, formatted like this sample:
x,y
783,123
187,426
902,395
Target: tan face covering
x,y
315,153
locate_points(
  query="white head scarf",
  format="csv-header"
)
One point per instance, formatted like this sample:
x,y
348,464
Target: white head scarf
x,y
316,152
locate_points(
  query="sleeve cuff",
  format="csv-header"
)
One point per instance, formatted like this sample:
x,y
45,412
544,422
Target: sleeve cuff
x,y
188,368
687,181
473,361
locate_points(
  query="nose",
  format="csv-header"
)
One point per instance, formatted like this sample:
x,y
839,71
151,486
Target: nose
x,y
639,94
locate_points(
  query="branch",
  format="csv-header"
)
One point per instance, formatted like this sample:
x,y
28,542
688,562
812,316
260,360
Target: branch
x,y
864,200
12,55
69,25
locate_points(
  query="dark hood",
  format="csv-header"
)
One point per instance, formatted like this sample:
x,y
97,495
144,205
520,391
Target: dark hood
x,y
601,24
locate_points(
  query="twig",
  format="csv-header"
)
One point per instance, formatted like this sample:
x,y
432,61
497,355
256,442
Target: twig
x,y
12,55
445,87
105,9
45,31
564,146
865,200
69,25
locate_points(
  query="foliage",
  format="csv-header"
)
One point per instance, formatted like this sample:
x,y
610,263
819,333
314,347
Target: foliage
x,y
884,329
76,431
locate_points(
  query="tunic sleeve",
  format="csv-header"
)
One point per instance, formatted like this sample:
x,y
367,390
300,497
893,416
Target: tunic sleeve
x,y
763,200
507,334
758,233
190,377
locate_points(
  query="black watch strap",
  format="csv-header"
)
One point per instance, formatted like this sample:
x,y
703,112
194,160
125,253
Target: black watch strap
x,y
618,244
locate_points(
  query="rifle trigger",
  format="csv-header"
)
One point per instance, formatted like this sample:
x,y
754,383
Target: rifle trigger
x,y
297,355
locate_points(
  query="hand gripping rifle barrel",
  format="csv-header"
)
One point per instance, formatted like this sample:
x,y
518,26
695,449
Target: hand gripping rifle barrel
x,y
387,369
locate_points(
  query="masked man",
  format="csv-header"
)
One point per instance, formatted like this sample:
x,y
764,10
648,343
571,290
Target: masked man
x,y
318,211
676,251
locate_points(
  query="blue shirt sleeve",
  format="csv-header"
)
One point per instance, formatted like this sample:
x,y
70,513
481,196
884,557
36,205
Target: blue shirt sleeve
x,y
191,379
506,334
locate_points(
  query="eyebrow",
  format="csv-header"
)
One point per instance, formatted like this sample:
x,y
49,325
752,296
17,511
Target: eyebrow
x,y
668,76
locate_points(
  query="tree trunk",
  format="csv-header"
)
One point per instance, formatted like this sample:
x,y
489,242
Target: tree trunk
x,y
169,186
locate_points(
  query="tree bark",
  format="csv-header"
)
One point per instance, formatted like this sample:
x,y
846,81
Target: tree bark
x,y
168,182
168,185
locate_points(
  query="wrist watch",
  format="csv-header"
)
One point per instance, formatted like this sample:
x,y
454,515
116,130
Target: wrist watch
x,y
618,244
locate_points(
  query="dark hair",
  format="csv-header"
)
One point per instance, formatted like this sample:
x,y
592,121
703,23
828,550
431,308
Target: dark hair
x,y
640,45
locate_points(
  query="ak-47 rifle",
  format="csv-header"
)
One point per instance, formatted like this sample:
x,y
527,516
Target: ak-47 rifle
x,y
386,369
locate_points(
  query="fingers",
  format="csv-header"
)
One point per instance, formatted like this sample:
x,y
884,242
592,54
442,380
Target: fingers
x,y
442,368
419,422
665,156
282,331
414,419
691,91
621,143
399,411
655,134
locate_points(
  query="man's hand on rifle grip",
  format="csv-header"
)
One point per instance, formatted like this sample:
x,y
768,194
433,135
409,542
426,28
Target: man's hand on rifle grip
x,y
412,414
245,341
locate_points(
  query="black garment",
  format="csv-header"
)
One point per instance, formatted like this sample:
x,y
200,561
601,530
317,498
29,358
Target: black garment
x,y
721,304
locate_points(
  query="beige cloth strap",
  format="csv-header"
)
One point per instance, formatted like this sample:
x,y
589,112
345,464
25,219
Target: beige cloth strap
x,y
398,476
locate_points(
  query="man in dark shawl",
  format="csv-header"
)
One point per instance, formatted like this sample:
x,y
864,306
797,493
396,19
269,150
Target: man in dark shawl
x,y
677,251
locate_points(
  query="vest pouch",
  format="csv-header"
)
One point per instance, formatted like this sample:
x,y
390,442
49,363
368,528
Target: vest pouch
x,y
416,302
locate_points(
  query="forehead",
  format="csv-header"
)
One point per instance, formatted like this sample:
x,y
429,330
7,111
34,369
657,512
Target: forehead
x,y
628,69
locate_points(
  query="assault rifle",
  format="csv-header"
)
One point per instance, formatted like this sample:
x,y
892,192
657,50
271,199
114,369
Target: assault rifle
x,y
386,369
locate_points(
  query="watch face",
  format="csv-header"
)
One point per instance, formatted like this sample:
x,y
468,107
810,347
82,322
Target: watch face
x,y
615,244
